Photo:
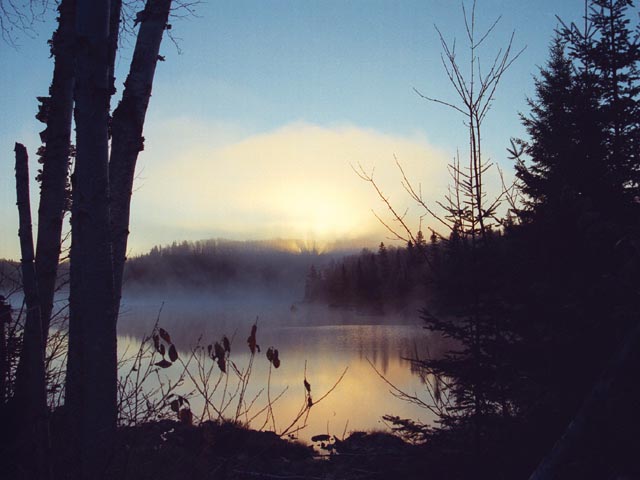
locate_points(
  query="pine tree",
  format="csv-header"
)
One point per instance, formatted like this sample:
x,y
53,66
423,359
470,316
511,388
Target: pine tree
x,y
311,286
574,298
584,125
552,128
606,53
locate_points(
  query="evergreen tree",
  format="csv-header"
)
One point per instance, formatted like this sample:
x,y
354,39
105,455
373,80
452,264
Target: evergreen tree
x,y
311,286
384,266
606,53
552,128
575,298
584,125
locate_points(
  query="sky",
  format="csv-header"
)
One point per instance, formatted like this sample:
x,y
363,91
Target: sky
x,y
263,108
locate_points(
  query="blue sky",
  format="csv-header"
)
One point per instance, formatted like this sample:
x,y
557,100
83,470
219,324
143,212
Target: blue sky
x,y
253,126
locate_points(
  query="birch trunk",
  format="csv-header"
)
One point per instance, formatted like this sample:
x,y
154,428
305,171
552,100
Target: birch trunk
x,y
39,273
30,398
128,120
114,33
5,321
55,168
91,369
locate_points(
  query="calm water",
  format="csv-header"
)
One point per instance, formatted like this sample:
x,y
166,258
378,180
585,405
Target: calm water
x,y
323,341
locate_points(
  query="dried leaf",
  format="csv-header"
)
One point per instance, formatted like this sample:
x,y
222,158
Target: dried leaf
x,y
165,335
162,349
320,438
219,351
164,363
222,364
226,344
252,340
272,356
186,416
156,342
175,405
309,401
173,353
307,386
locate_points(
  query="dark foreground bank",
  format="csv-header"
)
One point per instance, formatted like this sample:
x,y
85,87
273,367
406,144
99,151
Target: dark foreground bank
x,y
171,450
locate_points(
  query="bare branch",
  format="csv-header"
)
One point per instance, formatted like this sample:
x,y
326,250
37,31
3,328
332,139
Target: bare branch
x,y
397,217
417,197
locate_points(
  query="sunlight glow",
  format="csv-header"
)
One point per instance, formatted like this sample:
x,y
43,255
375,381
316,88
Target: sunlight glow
x,y
294,182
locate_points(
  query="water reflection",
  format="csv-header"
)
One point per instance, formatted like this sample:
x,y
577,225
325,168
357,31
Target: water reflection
x,y
323,342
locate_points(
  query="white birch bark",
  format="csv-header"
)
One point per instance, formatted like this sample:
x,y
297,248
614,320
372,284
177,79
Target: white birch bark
x,y
128,120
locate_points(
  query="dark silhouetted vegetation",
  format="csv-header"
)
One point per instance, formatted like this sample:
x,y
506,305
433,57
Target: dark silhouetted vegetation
x,y
545,312
391,279
224,265
541,301
537,291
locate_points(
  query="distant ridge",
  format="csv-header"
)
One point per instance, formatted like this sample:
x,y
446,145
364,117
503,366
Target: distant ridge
x,y
223,264
292,245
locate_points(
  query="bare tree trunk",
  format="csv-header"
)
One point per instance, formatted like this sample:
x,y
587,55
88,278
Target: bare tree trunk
x,y
55,168
128,120
30,398
39,273
114,32
5,320
92,360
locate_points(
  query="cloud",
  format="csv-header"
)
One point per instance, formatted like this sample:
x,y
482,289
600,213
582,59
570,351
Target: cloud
x,y
295,181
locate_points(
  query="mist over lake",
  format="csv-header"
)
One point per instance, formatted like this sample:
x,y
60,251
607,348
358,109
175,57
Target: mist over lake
x,y
324,340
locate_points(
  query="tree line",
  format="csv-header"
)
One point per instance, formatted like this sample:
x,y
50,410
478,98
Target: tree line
x,y
222,266
389,280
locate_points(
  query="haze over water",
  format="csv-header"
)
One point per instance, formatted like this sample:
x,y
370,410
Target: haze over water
x,y
323,340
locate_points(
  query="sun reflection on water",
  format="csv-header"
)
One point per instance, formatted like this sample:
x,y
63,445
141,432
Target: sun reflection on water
x,y
322,351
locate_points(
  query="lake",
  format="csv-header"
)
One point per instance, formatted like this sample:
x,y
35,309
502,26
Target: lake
x,y
322,341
